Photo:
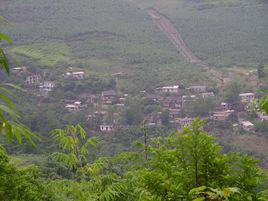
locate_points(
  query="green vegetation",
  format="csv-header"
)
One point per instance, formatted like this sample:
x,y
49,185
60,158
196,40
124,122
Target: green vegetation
x,y
166,169
21,184
138,162
221,32
48,55
9,115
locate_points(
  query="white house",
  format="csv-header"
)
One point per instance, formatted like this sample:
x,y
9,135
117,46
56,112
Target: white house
x,y
247,125
47,86
77,75
247,97
207,94
221,115
197,88
33,79
19,70
106,128
169,89
73,107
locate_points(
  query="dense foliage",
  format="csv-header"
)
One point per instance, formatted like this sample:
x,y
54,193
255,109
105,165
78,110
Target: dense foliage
x,y
168,169
21,184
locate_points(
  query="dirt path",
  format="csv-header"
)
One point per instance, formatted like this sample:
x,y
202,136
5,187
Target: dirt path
x,y
174,36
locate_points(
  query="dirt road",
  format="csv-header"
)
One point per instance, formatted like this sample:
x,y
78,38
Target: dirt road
x,y
174,36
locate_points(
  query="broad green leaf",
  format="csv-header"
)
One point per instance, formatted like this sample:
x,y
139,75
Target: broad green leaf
x,y
5,37
197,190
9,111
7,100
199,199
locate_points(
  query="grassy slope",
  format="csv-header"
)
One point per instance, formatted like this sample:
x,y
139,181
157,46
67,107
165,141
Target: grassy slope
x,y
49,54
102,30
220,32
26,159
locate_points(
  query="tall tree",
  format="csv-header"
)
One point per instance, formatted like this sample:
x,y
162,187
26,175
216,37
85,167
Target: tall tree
x,y
261,71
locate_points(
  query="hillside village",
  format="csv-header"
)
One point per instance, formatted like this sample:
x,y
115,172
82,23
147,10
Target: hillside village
x,y
108,107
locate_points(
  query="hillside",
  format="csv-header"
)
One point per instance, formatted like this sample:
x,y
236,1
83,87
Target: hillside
x,y
122,36
221,32
148,43
92,33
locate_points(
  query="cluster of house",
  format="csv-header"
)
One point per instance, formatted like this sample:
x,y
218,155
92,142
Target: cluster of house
x,y
170,99
174,103
45,86
168,96
36,80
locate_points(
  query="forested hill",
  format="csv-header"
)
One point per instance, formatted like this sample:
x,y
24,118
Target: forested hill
x,y
222,33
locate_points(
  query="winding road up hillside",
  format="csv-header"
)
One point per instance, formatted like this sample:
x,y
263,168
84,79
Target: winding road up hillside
x,y
174,36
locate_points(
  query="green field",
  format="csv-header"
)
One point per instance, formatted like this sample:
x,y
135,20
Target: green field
x,y
26,159
45,54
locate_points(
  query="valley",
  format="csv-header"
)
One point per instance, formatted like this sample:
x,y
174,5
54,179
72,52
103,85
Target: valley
x,y
126,93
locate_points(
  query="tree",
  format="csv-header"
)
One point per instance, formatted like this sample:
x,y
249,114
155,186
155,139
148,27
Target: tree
x,y
261,71
165,117
133,115
21,184
263,104
175,165
75,144
200,107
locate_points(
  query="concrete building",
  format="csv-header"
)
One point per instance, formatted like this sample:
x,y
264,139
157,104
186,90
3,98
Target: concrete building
x,y
107,128
76,75
19,70
169,89
247,97
197,89
108,97
221,115
207,95
173,102
73,107
247,125
33,79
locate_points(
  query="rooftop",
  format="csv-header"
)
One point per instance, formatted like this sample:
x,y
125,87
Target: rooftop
x,y
171,87
247,123
247,94
108,93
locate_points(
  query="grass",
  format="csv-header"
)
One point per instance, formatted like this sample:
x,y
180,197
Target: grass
x,y
46,54
26,159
